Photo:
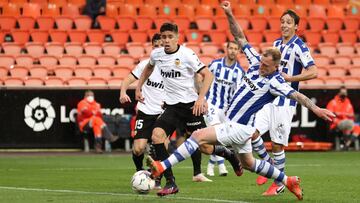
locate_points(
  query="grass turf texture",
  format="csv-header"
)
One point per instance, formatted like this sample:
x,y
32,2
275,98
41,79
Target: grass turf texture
x,y
326,177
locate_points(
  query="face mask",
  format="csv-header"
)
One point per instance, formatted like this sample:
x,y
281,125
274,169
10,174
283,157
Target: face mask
x,y
342,96
90,98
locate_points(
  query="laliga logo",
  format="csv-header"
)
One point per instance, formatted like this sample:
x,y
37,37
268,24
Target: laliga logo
x,y
39,114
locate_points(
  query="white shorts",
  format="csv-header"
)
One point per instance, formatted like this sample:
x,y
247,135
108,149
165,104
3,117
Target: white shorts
x,y
214,115
277,120
236,135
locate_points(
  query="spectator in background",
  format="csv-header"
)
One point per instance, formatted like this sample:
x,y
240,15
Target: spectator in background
x,y
94,8
343,124
89,118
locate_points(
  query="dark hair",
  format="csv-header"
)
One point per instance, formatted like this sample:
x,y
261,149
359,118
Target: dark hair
x,y
293,16
155,37
232,42
169,27
274,53
88,92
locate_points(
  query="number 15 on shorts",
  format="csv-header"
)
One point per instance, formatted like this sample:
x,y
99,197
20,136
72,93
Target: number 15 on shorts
x,y
139,124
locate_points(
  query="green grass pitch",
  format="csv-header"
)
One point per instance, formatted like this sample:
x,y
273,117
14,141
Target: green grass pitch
x,y
326,177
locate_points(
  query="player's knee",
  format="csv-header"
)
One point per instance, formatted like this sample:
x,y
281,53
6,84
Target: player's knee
x,y
206,149
138,150
247,163
158,136
198,136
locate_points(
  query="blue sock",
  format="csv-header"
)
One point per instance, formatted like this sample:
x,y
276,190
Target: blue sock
x,y
259,148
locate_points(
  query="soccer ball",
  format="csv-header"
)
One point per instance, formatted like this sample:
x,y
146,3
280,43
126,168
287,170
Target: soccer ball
x,y
141,182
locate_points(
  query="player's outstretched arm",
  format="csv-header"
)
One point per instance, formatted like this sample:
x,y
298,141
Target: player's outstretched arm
x,y
305,101
144,76
235,28
124,86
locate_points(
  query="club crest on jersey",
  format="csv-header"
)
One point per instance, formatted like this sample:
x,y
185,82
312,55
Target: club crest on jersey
x,y
177,62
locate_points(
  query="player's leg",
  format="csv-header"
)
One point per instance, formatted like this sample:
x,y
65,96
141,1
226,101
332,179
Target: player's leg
x,y
165,125
262,124
139,146
279,134
95,123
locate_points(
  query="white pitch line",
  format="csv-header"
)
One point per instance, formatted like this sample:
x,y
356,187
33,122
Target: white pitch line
x,y
119,194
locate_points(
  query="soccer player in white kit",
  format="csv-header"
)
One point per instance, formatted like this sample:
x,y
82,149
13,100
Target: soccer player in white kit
x,y
276,117
183,105
148,111
227,77
260,86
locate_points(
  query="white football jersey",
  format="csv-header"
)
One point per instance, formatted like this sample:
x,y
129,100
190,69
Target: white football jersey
x,y
152,90
295,56
255,91
178,70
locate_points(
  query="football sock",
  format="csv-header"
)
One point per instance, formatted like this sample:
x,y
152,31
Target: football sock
x,y
213,159
265,169
184,151
279,161
259,148
196,160
162,154
220,160
138,161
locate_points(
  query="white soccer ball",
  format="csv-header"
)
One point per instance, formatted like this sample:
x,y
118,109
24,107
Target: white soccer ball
x,y
141,182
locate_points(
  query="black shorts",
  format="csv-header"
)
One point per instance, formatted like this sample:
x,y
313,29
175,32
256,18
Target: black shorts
x,y
179,115
144,125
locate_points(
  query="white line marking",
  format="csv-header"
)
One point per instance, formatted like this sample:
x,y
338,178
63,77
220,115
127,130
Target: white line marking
x,y
120,194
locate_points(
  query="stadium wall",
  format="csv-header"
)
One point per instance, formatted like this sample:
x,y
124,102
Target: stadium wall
x,y
44,118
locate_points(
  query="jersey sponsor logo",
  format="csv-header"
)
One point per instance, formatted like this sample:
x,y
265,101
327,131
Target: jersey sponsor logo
x,y
252,86
194,123
224,82
39,114
170,74
155,84
283,63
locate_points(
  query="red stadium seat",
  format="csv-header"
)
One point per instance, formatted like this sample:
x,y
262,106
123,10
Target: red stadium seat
x,y
38,71
345,49
209,49
204,23
19,71
322,71
186,10
321,60
158,21
96,36
203,10
121,72
194,46
274,23
315,82
351,82
221,23
120,37
182,22
84,72
354,71
254,37
54,48
112,10
11,48
39,36
31,9
48,61
93,49
106,60
144,23
112,49
79,3
334,23
13,81
335,11
102,71
327,49
277,10
115,82
351,24
83,22
4,71
330,37
206,59
51,10
313,38
24,60
342,61
77,36
243,22
139,36
35,49
333,82
45,22
127,10
167,10
77,82
11,10
135,49
20,36
106,22
125,61
261,10
147,10
258,23
134,2
348,37
96,81
217,37
74,49
191,2
356,60
271,36
336,71
70,10
34,82
212,3
86,60
194,36
26,22
125,22
242,10
322,2
59,36
64,22
68,60
53,81
316,23
317,11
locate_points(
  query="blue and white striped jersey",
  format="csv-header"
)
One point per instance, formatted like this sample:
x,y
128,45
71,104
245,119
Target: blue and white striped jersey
x,y
295,56
255,91
226,81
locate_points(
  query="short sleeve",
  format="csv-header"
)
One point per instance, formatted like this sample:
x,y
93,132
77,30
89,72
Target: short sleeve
x,y
304,57
195,62
139,69
152,60
279,87
251,54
